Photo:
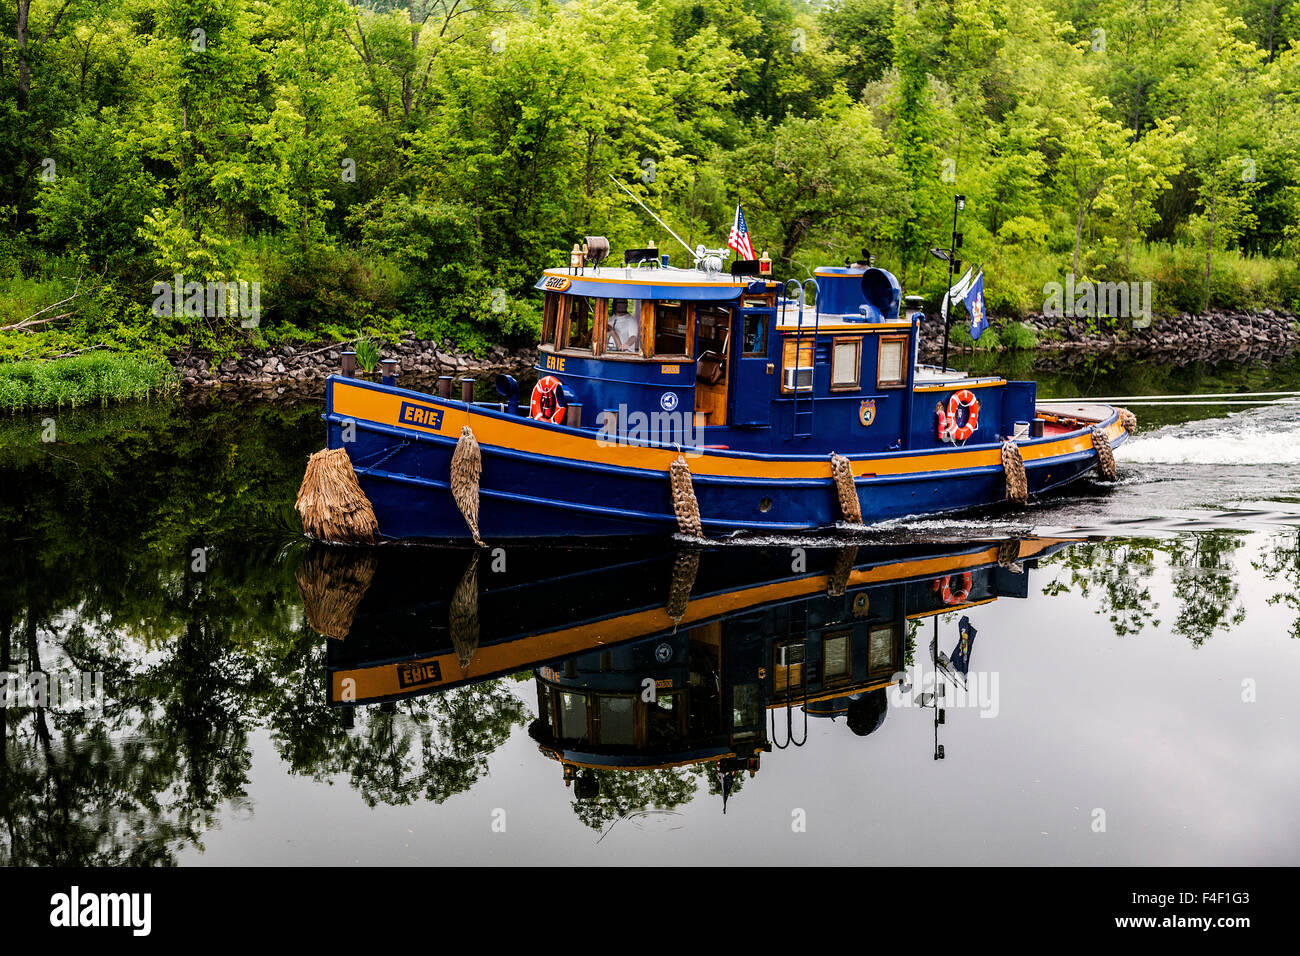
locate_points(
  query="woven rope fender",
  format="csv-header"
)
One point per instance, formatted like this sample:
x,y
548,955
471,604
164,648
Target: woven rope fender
x,y
685,567
1105,454
332,582
330,500
842,472
1008,552
1014,468
466,468
684,503
1128,420
839,579
462,615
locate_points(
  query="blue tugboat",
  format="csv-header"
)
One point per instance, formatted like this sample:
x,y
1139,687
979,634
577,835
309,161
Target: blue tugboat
x,y
710,402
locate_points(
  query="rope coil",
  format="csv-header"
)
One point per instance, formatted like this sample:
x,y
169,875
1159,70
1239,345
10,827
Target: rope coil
x,y
1105,454
466,469
1014,468
842,472
685,506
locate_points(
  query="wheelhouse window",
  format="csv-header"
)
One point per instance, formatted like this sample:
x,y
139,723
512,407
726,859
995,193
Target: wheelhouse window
x,y
578,329
713,324
672,329
623,327
571,710
550,310
617,725
891,369
846,364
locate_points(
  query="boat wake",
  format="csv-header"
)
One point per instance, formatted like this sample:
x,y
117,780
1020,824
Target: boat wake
x,y
1262,436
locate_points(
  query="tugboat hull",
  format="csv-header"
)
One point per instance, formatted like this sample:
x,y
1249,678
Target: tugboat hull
x,y
541,480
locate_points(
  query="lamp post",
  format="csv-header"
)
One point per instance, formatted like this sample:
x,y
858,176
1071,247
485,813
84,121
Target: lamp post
x,y
959,203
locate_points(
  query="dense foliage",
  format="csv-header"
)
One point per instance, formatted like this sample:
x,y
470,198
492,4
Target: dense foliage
x,y
390,165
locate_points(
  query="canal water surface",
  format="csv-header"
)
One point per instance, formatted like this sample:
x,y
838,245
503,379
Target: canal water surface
x,y
1104,678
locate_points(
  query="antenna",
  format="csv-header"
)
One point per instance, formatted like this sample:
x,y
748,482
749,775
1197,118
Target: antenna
x,y
694,256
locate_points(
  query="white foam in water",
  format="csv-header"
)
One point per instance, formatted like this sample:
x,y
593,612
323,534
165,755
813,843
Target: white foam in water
x,y
1259,437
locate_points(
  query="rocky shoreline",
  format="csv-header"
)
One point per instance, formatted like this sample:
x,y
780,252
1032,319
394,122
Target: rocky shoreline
x,y
295,370
1212,332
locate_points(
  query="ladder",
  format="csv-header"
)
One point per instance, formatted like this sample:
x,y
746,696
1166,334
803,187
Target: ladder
x,y
801,423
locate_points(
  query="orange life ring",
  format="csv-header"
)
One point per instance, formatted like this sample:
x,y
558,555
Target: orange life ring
x,y
963,399
962,594
548,400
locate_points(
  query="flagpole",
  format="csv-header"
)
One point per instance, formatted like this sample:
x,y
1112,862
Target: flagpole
x,y
958,202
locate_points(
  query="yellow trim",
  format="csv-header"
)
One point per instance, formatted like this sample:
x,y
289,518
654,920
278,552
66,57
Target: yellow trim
x,y
865,328
648,281
380,680
554,754
351,401
953,607
831,695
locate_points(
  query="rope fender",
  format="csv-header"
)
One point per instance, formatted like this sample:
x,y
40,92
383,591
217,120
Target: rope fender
x,y
1105,454
466,469
1014,468
685,506
1127,419
839,579
330,500
685,566
842,472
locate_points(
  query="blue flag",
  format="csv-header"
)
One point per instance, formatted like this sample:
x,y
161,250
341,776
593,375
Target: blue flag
x,y
960,659
974,300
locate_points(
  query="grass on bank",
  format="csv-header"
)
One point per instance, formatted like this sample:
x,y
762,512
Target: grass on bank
x,y
94,378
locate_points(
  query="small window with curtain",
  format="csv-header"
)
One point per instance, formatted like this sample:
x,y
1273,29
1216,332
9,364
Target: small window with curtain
x,y
891,370
846,364
880,652
835,655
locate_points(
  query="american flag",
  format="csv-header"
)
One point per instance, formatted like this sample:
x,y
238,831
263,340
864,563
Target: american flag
x,y
739,238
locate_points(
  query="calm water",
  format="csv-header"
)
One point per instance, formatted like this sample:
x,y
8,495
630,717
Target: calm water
x,y
1128,695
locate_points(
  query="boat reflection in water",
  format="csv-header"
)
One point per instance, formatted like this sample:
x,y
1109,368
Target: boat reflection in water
x,y
647,659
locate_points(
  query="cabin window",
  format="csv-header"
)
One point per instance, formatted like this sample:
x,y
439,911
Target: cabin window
x,y
623,327
550,309
713,324
663,719
835,655
796,365
616,723
572,712
578,332
846,364
672,329
891,370
881,649
746,707
755,335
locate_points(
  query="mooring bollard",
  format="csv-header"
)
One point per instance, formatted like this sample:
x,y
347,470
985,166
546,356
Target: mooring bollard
x,y
467,391
390,372
444,386
349,363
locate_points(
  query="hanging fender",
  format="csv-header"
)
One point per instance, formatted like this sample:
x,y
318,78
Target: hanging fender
x,y
548,400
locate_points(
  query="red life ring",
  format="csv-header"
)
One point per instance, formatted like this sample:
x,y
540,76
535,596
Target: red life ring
x,y
548,400
963,399
962,594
